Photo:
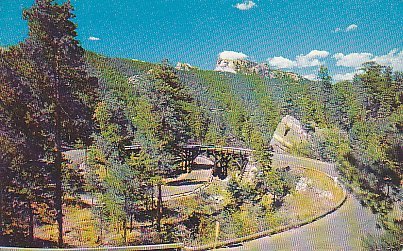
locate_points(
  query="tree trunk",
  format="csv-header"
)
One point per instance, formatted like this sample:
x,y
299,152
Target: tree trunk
x,y
58,173
159,208
31,222
125,223
101,226
152,199
1,208
58,153
59,194
131,222
146,202
124,230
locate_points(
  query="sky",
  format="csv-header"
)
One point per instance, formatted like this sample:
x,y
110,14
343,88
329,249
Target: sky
x,y
293,35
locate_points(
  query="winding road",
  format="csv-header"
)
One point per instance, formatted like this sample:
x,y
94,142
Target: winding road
x,y
341,230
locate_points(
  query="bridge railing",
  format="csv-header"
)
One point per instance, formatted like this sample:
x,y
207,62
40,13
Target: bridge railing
x,y
203,147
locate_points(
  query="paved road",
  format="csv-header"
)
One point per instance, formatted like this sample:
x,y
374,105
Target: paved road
x,y
188,183
341,230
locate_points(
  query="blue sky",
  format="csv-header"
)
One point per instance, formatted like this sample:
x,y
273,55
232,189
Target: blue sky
x,y
291,35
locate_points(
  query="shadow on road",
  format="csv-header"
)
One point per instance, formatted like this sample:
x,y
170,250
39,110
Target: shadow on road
x,y
185,182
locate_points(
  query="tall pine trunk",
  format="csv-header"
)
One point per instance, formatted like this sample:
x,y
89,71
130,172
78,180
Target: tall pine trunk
x,y
58,172
131,222
59,195
1,208
159,208
125,222
152,199
31,222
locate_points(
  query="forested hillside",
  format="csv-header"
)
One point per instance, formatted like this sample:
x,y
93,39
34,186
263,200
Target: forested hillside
x,y
357,124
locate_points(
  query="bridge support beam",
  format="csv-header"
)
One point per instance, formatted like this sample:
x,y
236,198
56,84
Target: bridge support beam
x,y
242,161
188,156
221,163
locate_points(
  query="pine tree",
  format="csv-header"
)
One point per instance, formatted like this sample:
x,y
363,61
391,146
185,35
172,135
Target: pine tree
x,y
162,119
325,81
382,89
63,85
25,177
117,175
269,179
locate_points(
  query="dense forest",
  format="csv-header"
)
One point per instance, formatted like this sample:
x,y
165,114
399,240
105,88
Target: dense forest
x,y
55,96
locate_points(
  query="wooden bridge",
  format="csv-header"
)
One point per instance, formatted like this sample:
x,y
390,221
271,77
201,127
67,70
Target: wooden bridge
x,y
221,156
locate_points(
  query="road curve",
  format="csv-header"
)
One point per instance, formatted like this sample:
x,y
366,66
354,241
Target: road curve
x,y
341,230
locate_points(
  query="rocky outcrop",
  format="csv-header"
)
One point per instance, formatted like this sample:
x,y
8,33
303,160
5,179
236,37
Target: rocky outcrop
x,y
249,67
184,66
288,132
3,49
284,74
233,65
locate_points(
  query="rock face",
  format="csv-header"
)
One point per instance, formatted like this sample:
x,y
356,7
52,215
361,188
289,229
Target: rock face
x,y
284,74
242,66
3,49
184,66
234,65
288,132
249,67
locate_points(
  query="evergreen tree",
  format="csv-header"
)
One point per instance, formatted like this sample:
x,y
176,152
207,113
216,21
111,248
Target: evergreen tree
x,y
117,174
326,83
382,89
61,84
269,179
24,186
162,117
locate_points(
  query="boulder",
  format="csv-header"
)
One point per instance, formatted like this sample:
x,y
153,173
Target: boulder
x,y
288,132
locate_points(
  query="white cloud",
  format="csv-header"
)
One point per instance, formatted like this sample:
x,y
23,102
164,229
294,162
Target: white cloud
x,y
310,59
247,5
301,61
310,77
345,76
232,55
94,38
351,27
337,30
394,59
281,62
353,59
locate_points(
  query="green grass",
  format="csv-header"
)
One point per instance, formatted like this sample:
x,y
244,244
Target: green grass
x,y
79,227
305,204
325,183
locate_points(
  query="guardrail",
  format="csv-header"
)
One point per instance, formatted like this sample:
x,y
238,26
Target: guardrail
x,y
171,246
